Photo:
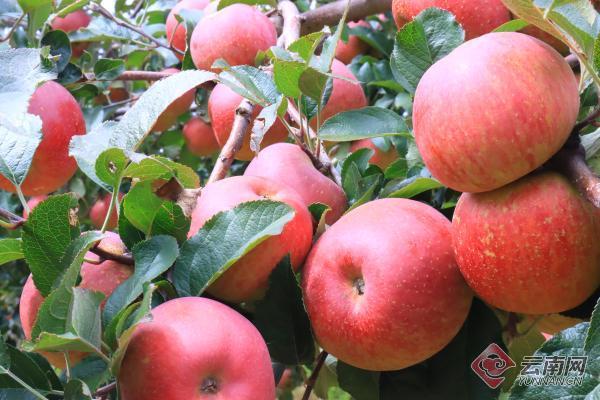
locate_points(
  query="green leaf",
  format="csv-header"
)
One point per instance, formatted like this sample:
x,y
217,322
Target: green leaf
x,y
282,320
593,335
512,26
77,390
135,125
433,34
223,240
518,348
312,83
570,342
263,122
574,18
286,75
361,384
85,315
142,314
170,220
129,234
10,250
24,366
46,236
368,122
155,167
306,45
92,370
108,69
225,3
60,47
141,206
109,167
20,132
409,188
250,83
4,357
152,258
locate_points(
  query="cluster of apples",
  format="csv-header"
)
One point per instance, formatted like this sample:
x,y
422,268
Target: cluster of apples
x,y
390,283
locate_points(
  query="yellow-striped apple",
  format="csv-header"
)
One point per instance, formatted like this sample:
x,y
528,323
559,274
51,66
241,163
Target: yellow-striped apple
x,y
493,110
529,247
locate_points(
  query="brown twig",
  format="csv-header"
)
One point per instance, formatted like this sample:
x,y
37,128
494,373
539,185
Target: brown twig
x,y
312,380
330,14
104,390
570,161
13,29
107,14
322,157
135,76
241,123
573,61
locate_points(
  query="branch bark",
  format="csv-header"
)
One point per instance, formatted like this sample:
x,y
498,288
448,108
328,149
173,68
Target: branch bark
x,y
330,14
571,162
312,380
291,23
241,123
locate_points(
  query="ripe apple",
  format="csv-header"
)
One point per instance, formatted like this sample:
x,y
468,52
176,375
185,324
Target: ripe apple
x,y
481,122
32,203
222,104
381,158
287,164
247,279
200,138
196,348
99,210
381,286
477,17
104,277
176,31
236,34
345,52
70,23
179,107
61,119
345,95
529,247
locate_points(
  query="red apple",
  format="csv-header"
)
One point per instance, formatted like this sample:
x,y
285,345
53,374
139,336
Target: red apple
x,y
247,279
62,118
104,277
196,348
529,247
477,17
381,158
99,210
381,286
176,31
32,203
345,52
236,34
222,104
345,95
177,108
481,122
70,23
200,138
287,164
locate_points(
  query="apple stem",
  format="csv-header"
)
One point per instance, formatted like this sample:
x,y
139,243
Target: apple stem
x,y
312,379
571,162
104,390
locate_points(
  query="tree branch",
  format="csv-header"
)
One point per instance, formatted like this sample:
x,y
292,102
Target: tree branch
x,y
330,14
570,161
104,390
291,23
312,380
243,117
107,14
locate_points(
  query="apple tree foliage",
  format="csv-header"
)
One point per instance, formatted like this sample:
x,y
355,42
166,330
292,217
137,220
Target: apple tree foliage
x,y
119,152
